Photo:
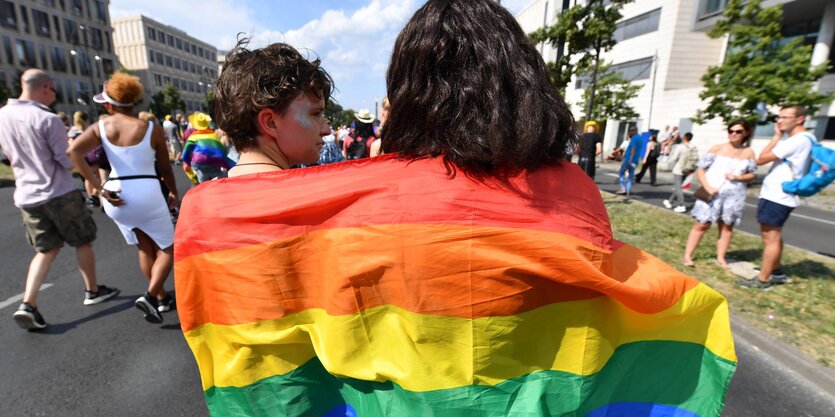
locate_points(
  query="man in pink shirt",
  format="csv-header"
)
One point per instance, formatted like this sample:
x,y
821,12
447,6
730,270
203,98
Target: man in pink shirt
x,y
35,141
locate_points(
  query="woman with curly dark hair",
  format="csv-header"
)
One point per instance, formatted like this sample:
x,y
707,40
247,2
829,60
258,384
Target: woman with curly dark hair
x,y
468,271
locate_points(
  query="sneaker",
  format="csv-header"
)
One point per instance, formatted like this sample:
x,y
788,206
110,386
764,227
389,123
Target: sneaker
x,y
620,191
667,204
28,317
93,202
148,304
754,283
680,209
778,277
103,294
166,304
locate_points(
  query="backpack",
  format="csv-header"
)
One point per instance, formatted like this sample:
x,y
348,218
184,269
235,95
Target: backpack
x,y
356,149
819,175
690,161
656,151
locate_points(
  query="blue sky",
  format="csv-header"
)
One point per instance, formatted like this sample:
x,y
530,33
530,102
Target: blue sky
x,y
353,38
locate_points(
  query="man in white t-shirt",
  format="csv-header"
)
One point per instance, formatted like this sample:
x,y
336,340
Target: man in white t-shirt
x,y
790,159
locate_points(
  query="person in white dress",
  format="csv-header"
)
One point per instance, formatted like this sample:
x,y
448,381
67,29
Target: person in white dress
x,y
132,196
724,172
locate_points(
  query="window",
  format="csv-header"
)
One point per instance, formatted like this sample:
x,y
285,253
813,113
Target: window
x,y
75,7
41,21
159,58
59,58
57,27
8,15
83,63
177,83
101,11
638,25
168,61
192,67
68,91
194,49
166,80
712,8
151,56
97,40
107,45
71,31
158,80
179,44
152,33
161,36
177,63
7,45
200,52
25,53
44,61
640,69
24,17
170,40
107,66
59,92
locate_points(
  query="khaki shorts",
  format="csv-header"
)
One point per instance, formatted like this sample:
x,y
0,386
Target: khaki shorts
x,y
62,219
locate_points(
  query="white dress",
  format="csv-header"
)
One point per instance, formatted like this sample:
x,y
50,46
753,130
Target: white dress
x,y
145,207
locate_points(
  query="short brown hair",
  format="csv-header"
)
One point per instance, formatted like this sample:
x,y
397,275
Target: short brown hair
x,y
798,109
266,78
124,88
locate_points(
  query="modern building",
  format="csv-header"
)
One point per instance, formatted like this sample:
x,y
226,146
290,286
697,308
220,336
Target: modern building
x,y
663,46
160,54
69,39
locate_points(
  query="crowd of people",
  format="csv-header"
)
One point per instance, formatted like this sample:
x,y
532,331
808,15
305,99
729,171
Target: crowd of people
x,y
497,122
724,173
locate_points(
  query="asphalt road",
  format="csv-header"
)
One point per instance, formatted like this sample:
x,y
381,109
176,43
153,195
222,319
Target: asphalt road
x,y
105,360
807,228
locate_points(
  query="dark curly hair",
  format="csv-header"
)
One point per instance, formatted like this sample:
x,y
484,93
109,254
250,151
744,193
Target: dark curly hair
x,y
466,83
267,78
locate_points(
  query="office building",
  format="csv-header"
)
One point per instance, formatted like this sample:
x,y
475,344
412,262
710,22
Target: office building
x,y
69,39
160,54
663,47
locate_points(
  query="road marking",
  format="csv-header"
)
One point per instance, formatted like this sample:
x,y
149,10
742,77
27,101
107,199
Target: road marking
x,y
15,298
612,175
801,216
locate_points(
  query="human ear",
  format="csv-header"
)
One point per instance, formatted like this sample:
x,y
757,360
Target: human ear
x,y
267,122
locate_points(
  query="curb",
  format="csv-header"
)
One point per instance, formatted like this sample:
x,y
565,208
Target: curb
x,y
820,377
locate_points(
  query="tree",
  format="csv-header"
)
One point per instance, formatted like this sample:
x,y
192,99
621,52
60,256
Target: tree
x,y
583,32
166,101
124,70
613,95
762,69
333,112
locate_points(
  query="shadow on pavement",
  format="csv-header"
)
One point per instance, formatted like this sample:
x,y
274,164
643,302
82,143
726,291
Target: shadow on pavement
x,y
805,269
61,328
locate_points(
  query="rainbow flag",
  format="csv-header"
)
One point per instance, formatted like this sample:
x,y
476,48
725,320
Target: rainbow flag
x,y
204,148
381,287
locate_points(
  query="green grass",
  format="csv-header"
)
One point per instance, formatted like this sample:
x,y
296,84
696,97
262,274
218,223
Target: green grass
x,y
6,172
800,313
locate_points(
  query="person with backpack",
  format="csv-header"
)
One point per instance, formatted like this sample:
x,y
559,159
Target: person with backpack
x,y
650,160
631,157
724,173
790,160
683,165
358,145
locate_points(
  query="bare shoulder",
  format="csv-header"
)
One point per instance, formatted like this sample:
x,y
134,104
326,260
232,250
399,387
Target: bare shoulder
x,y
717,149
748,153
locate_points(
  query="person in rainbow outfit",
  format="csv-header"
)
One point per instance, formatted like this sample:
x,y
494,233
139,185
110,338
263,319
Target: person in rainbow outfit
x,y
204,155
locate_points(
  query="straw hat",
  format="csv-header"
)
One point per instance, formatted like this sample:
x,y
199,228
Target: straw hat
x,y
364,116
199,121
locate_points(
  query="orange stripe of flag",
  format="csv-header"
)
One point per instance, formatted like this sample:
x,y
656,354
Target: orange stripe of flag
x,y
421,270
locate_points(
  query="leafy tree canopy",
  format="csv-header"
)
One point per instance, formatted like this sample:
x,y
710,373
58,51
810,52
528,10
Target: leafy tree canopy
x,y
612,98
166,101
762,69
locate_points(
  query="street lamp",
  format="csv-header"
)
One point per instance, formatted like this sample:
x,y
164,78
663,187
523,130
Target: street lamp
x,y
90,67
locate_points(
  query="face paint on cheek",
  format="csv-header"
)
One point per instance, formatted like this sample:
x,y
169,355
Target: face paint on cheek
x,y
301,117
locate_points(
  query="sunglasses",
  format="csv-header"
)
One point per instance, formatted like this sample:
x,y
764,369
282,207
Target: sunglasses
x,y
735,131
